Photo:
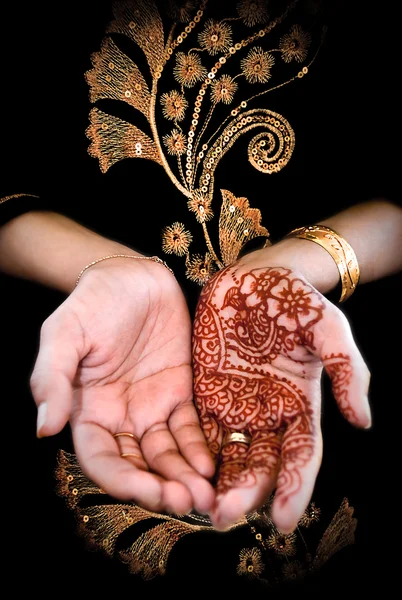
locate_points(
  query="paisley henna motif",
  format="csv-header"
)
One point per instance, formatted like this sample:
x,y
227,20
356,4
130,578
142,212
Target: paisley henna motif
x,y
250,328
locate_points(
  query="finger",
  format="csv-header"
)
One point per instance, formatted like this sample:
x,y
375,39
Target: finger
x,y
345,366
129,449
162,455
186,430
53,375
100,460
246,478
213,432
300,461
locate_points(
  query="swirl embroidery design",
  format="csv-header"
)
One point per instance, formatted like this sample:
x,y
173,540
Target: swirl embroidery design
x,y
210,64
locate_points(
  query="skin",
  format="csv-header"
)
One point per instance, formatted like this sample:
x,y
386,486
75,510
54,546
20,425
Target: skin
x,y
261,339
127,365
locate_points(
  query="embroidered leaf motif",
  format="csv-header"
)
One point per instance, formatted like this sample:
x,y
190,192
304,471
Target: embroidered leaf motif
x,y
113,139
238,223
142,23
339,533
117,77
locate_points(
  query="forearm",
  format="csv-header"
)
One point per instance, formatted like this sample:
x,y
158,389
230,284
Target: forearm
x,y
51,249
373,229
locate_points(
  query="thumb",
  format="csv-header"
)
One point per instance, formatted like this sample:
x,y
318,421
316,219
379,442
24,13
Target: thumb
x,y
54,372
346,368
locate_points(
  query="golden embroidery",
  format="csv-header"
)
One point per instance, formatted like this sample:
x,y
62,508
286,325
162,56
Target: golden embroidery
x,y
175,143
253,12
13,196
293,570
200,268
148,555
238,223
196,150
188,69
282,544
69,478
223,89
250,562
311,515
117,77
257,65
174,105
114,139
182,11
339,533
215,37
102,521
294,45
200,205
176,239
141,22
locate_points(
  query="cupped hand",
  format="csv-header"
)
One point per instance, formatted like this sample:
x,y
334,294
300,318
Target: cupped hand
x,y
261,339
115,357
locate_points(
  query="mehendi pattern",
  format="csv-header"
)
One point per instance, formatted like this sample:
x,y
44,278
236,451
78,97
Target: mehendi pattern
x,y
246,326
339,369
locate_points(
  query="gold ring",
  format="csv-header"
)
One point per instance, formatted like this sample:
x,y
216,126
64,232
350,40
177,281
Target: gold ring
x,y
237,436
125,454
121,433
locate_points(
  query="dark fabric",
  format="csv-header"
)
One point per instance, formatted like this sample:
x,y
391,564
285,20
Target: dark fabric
x,y
345,121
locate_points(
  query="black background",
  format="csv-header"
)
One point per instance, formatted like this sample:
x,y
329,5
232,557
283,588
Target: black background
x,y
346,123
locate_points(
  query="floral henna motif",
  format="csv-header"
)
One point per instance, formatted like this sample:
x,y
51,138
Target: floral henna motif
x,y
339,369
244,324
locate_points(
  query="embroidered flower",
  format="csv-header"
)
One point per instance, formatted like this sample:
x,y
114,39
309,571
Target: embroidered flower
x,y
174,105
283,545
215,37
253,12
250,563
182,11
310,515
256,67
223,89
188,69
293,570
200,204
295,44
200,268
175,143
176,239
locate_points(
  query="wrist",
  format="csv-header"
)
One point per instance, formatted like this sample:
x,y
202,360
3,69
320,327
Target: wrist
x,y
301,256
51,249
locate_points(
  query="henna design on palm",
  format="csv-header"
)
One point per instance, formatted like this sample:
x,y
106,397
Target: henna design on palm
x,y
258,355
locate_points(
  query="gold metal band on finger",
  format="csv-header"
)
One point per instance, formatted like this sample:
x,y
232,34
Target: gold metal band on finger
x,y
124,433
238,437
342,253
131,454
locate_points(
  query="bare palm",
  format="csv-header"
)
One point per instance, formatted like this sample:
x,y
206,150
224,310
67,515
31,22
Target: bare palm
x,y
115,357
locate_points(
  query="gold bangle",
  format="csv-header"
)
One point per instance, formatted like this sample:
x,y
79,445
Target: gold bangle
x,y
94,262
339,249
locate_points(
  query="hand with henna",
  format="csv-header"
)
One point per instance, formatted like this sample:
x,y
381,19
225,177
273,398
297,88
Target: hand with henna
x,y
262,337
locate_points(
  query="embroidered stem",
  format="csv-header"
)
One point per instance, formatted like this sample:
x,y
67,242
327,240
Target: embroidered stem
x,y
210,247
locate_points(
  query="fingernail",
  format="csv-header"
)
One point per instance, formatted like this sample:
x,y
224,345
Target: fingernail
x,y
41,418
